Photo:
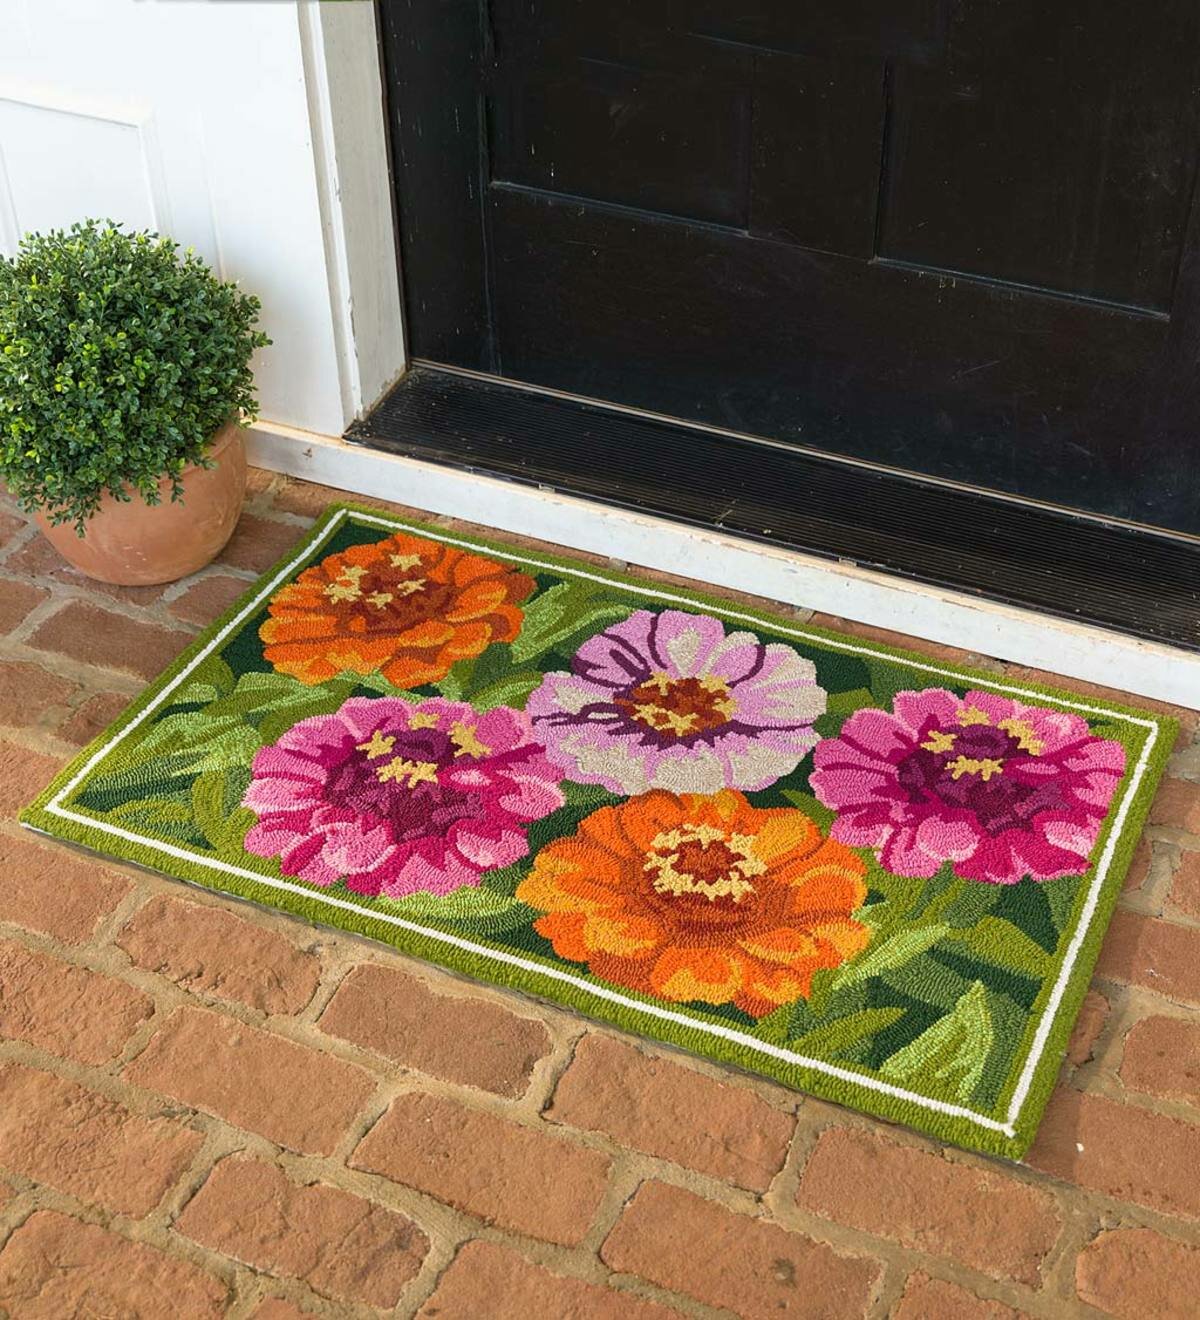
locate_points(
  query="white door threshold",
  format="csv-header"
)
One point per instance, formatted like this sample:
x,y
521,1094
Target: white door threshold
x,y
1003,632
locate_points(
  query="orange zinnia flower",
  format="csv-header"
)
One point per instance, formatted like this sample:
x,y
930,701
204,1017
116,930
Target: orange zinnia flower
x,y
700,898
406,607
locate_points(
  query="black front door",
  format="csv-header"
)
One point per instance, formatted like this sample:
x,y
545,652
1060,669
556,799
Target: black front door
x,y
954,237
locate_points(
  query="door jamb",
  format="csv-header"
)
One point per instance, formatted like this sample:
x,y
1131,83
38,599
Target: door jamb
x,y
344,89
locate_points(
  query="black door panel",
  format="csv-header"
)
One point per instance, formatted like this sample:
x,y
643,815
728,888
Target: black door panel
x,y
950,236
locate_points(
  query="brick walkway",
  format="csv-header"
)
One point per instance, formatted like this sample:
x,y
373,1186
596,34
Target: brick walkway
x,y
209,1109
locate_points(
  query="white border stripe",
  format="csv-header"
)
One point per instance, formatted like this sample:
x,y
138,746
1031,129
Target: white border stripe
x,y
55,807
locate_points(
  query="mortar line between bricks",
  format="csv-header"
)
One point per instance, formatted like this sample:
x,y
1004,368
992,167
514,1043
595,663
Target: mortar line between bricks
x,y
64,594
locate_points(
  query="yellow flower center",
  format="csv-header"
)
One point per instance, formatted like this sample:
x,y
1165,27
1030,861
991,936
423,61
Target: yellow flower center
x,y
466,740
1022,731
408,774
379,744
347,584
966,765
704,860
679,706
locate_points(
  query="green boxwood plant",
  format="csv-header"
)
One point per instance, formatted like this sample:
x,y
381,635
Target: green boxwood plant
x,y
120,356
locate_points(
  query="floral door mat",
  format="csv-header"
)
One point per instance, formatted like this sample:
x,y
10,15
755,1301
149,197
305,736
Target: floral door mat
x,y
880,878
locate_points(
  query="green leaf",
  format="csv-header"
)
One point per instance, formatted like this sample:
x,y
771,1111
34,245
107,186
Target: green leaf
x,y
973,902
168,818
832,1039
216,809
469,910
1060,899
998,941
505,879
591,796
512,690
901,948
949,1056
887,678
845,703
818,813
454,685
563,612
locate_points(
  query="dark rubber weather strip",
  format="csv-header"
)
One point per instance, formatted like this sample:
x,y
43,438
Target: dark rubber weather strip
x,y
1135,580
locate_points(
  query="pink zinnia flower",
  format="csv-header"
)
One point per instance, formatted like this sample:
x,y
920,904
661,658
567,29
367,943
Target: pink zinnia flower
x,y
395,796
1000,789
673,701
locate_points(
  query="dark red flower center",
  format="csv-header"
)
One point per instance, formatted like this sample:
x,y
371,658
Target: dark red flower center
x,y
387,597
698,874
972,766
677,708
393,777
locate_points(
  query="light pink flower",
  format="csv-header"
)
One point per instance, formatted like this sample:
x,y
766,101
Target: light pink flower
x,y
673,701
395,796
999,789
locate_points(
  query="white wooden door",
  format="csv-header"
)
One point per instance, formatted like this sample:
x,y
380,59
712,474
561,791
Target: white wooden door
x,y
190,118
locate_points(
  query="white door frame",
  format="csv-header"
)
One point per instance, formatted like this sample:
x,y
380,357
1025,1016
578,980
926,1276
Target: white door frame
x,y
345,102
340,49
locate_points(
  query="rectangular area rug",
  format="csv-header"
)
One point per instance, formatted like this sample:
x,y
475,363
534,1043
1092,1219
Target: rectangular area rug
x,y
874,876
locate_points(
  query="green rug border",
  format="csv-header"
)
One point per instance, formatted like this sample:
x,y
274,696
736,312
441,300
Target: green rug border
x,y
956,1129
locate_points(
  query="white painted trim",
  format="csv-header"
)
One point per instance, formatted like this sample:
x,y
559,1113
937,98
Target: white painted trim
x,y
1003,632
342,81
1008,1128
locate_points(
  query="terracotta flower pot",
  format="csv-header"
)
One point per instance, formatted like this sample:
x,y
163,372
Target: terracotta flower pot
x,y
133,543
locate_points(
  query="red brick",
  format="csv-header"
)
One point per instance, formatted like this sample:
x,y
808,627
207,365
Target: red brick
x,y
489,1280
87,1145
70,1011
23,774
92,717
1185,888
1177,804
935,1299
984,1218
1088,1025
208,599
94,636
343,1247
17,599
278,1308
54,1266
12,522
716,1127
516,1177
1162,1057
1121,1151
1139,866
29,692
755,1269
1157,955
211,951
1136,1274
55,891
258,542
470,1041
308,499
253,1079
38,558
259,481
